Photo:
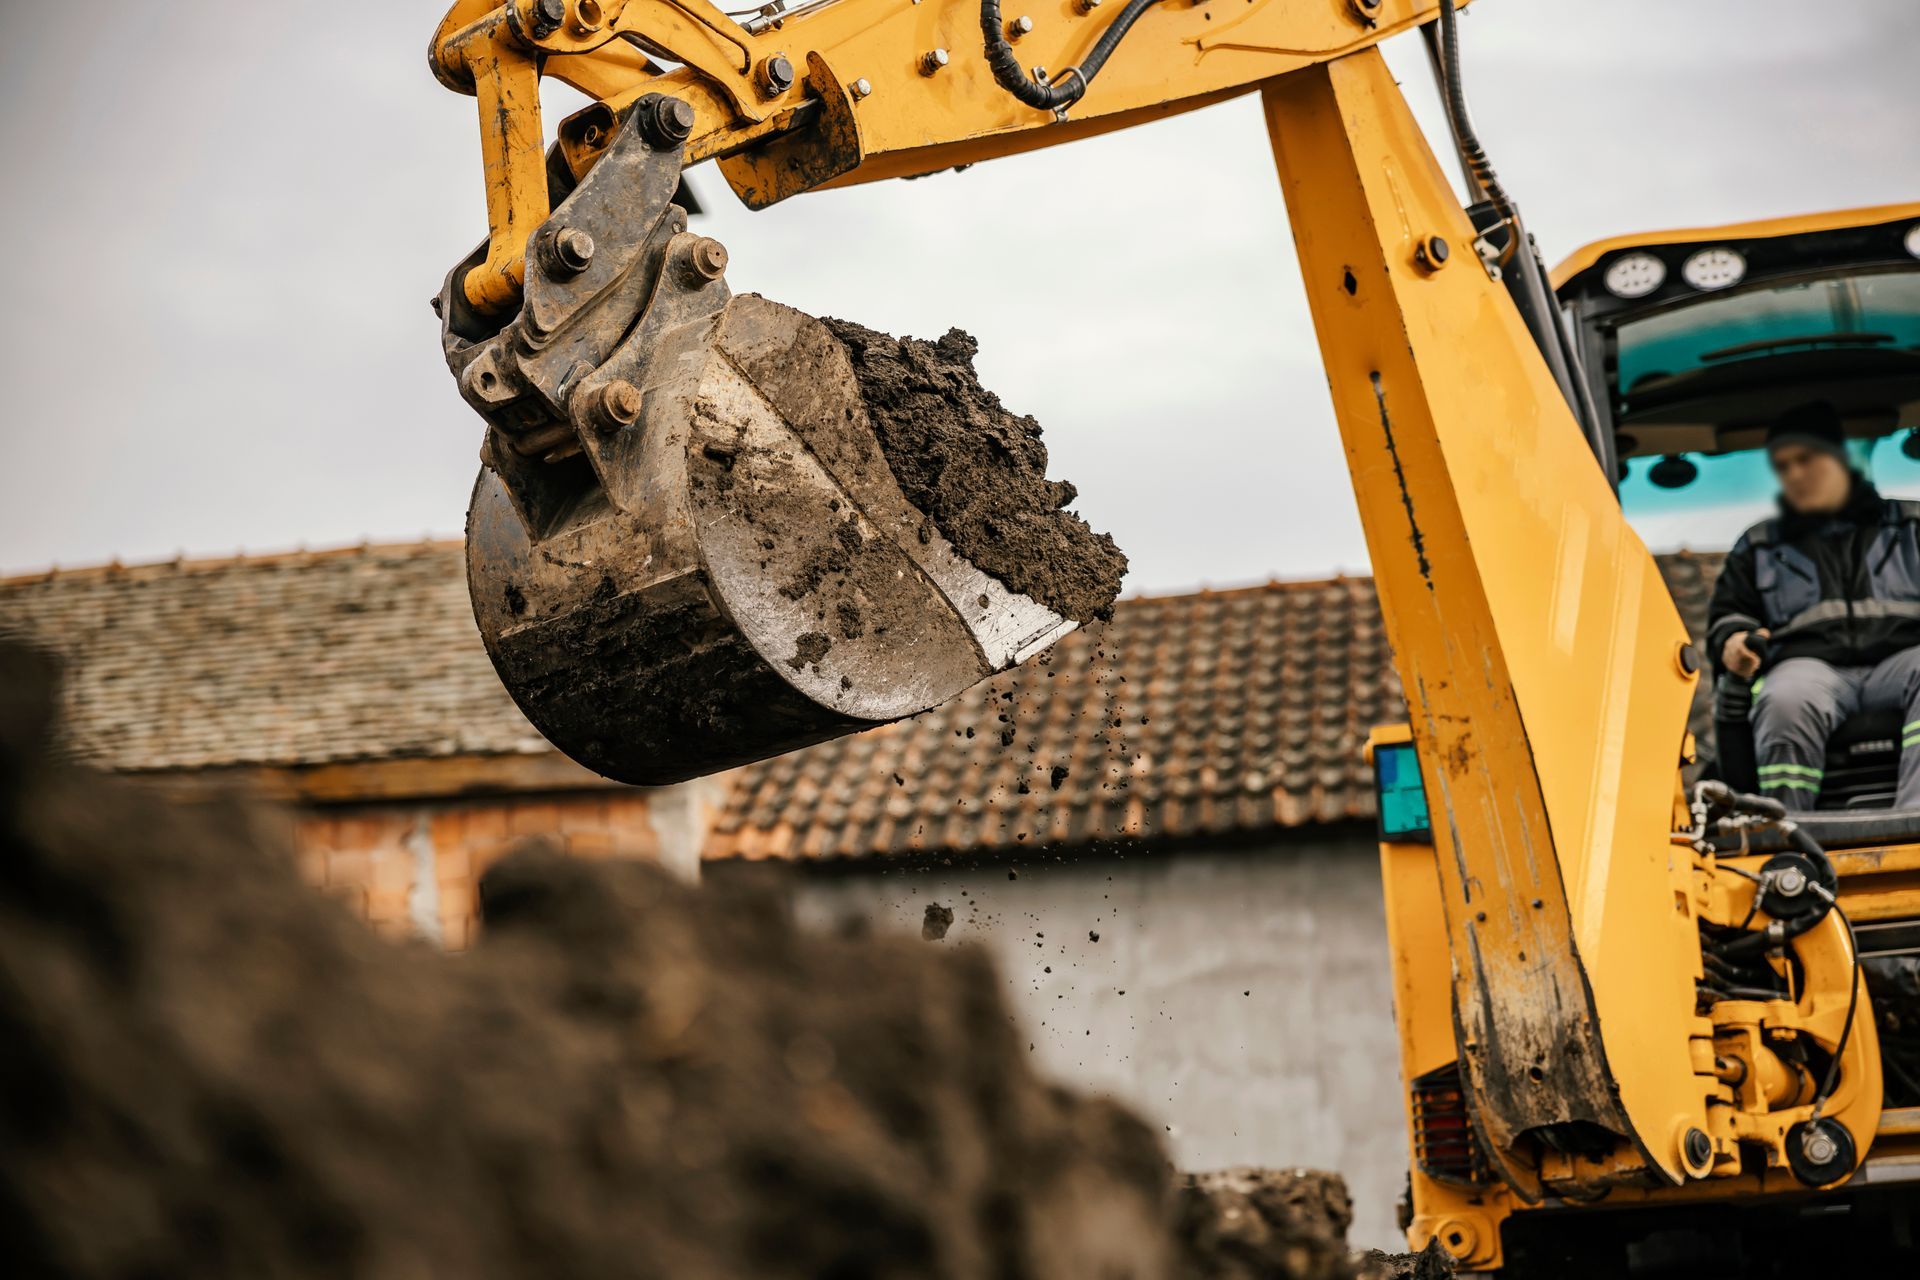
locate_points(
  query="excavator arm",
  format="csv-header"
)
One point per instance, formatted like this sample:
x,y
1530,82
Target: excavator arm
x,y
794,97
651,437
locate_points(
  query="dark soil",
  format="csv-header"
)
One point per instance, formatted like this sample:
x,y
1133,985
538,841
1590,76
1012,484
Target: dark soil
x,y
212,1070
1249,1224
936,922
1431,1263
979,471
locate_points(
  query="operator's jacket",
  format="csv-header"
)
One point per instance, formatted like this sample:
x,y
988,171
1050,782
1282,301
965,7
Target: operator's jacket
x,y
1843,588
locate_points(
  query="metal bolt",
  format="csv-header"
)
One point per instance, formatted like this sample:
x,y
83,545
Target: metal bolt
x,y
775,75
1365,10
617,406
1819,1147
1697,1148
1458,1237
669,123
1432,253
569,250
709,258
548,15
932,60
862,87
1789,882
1086,6
1020,26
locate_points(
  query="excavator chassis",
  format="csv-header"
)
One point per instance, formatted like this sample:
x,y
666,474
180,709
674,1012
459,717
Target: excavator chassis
x,y
686,550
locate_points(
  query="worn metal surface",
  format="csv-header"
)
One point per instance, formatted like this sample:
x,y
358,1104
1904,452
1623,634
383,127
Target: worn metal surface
x,y
1536,644
753,582
804,158
686,550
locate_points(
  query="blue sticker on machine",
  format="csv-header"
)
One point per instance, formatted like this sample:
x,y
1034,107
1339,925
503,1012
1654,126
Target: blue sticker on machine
x,y
1403,801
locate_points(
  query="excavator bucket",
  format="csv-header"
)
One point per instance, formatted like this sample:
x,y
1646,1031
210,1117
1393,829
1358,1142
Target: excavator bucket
x,y
689,548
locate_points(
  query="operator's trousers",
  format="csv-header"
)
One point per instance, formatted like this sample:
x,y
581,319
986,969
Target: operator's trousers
x,y
1798,705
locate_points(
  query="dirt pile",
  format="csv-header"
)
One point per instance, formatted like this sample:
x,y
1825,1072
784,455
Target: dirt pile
x,y
212,1070
1257,1224
980,471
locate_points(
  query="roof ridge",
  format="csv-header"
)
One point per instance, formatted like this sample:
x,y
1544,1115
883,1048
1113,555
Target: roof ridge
x,y
1340,578
181,563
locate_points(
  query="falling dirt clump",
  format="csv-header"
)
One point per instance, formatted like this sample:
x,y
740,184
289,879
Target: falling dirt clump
x,y
937,921
212,1070
980,472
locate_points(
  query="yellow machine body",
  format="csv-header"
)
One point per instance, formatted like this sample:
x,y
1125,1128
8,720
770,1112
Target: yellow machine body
x,y
1546,941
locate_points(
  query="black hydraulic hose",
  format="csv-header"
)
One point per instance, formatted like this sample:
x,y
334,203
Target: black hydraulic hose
x,y
1756,943
1068,86
1846,1028
1807,846
1472,154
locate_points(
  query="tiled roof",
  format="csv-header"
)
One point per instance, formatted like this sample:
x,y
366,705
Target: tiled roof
x,y
304,658
1218,712
1195,715
1186,716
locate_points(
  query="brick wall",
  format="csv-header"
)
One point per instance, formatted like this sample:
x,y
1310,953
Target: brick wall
x,y
411,867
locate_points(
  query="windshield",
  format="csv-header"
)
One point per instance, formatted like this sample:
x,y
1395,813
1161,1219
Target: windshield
x,y
1734,490
1871,311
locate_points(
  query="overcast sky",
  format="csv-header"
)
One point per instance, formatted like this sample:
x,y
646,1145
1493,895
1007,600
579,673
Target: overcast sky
x,y
225,226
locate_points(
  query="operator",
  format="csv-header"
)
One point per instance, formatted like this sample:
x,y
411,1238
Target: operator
x,y
1832,585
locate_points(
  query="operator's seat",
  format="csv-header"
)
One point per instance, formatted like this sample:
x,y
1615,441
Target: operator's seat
x,y
1863,762
1855,807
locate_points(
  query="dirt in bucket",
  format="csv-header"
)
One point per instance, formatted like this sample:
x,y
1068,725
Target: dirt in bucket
x,y
979,471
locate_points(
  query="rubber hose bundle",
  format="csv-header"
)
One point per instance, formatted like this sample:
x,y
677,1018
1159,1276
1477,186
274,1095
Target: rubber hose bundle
x,y
1070,85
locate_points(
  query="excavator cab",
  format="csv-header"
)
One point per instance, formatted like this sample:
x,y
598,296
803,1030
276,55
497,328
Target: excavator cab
x,y
1693,342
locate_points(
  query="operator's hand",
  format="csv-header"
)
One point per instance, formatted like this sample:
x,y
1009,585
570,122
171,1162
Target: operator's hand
x,y
1737,658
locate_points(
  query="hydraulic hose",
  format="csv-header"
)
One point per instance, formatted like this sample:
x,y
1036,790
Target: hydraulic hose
x,y
1777,934
1068,86
1846,1028
1472,154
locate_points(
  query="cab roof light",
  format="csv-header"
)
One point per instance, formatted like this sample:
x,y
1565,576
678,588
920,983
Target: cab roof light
x,y
1634,275
1720,267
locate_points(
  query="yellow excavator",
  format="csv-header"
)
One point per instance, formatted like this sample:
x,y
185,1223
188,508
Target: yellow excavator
x,y
1636,1034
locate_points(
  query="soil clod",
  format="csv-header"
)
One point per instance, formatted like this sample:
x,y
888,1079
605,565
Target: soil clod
x,y
979,471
